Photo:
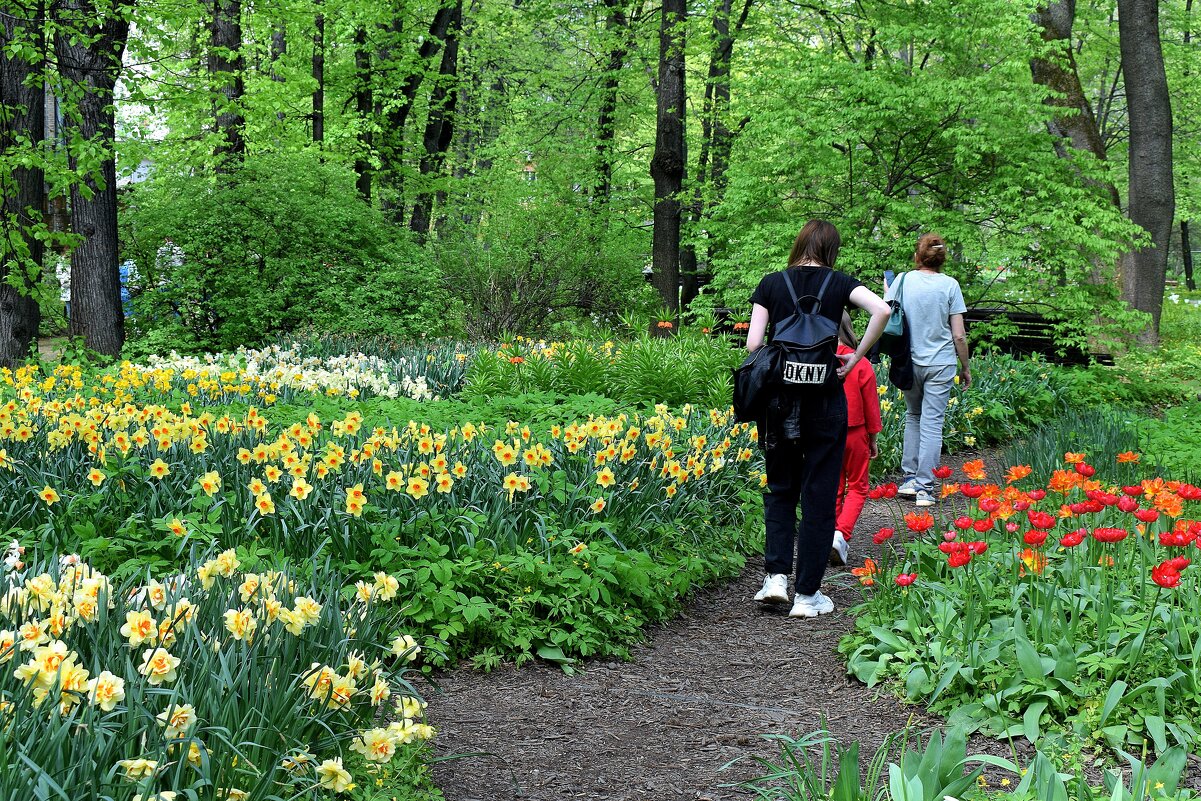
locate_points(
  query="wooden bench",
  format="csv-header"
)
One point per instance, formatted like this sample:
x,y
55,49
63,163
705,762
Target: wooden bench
x,y
1034,334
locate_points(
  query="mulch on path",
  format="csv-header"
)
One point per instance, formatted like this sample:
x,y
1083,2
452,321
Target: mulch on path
x,y
698,695
694,698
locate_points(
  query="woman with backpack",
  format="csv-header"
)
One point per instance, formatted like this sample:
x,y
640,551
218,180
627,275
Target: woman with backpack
x,y
934,309
803,433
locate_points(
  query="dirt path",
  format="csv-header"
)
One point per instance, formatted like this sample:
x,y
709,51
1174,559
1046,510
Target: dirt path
x,y
695,697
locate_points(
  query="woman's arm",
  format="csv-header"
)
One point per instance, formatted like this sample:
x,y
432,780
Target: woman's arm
x,y
959,337
870,302
755,334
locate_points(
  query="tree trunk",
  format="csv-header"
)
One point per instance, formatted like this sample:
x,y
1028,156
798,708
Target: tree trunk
x,y
1184,239
22,116
279,48
1188,256
89,45
363,105
670,158
1151,198
225,67
716,140
1076,124
439,127
617,26
391,151
319,77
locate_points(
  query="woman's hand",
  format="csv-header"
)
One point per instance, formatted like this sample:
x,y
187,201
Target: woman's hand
x,y
849,360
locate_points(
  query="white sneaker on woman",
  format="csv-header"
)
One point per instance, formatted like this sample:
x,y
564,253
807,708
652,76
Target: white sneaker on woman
x,y
775,589
908,489
811,605
838,549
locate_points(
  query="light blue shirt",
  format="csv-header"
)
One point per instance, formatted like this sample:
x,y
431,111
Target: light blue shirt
x,y
929,300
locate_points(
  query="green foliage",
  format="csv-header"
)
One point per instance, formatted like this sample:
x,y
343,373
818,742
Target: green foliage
x,y
282,243
911,119
543,253
1067,644
576,597
673,370
817,767
1173,441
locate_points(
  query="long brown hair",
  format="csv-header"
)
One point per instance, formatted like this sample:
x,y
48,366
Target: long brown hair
x,y
818,241
931,252
846,332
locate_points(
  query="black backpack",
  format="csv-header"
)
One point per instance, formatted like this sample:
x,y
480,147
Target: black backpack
x,y
799,358
808,342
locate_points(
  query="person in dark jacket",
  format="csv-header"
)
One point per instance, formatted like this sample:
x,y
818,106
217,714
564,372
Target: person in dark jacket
x,y
803,435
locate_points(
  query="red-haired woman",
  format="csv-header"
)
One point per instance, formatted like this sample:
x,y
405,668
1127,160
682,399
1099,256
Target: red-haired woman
x,y
804,434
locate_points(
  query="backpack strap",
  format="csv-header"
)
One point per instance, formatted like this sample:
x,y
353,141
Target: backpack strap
x,y
820,293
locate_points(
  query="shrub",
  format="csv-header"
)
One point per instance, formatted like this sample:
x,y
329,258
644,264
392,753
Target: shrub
x,y
283,242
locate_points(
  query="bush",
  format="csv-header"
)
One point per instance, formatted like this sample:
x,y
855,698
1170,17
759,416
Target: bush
x,y
283,242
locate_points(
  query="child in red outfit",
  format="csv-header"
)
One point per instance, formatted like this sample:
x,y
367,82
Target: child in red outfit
x,y
863,424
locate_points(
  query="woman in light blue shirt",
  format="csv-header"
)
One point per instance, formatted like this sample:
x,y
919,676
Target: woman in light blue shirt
x,y
934,310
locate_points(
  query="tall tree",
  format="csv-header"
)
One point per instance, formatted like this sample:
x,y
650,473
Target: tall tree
x,y
22,124
1076,125
225,68
716,139
439,126
617,24
671,156
89,41
391,149
1185,245
1151,198
319,76
363,105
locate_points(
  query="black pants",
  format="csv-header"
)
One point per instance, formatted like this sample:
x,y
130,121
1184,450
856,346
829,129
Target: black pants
x,y
803,447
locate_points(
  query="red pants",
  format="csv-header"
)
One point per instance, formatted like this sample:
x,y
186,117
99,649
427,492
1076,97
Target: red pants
x,y
853,486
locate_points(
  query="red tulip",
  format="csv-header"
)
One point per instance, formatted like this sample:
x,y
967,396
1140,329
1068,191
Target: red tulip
x,y
942,473
1011,527
1127,504
972,490
1037,494
905,579
963,557
890,490
1085,469
989,505
918,522
1147,515
875,493
1021,506
1034,538
1179,563
978,547
1189,492
950,536
963,522
1110,534
1041,519
1073,538
1134,491
982,525
1165,576
883,535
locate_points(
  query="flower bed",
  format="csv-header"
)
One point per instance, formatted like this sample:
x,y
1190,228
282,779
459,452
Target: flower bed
x,y
1056,600
218,681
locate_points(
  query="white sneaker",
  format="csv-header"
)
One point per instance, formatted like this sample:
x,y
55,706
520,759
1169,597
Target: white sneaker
x,y
838,549
908,489
775,589
811,605
923,499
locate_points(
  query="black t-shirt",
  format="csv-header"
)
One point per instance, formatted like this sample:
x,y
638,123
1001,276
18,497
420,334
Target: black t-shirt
x,y
772,295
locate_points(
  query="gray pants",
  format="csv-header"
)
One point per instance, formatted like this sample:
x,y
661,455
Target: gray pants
x,y
925,409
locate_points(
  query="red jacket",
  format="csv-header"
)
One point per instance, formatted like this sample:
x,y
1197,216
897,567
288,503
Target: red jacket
x,y
863,399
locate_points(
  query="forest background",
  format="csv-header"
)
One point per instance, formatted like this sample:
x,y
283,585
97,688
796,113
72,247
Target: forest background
x,y
472,167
